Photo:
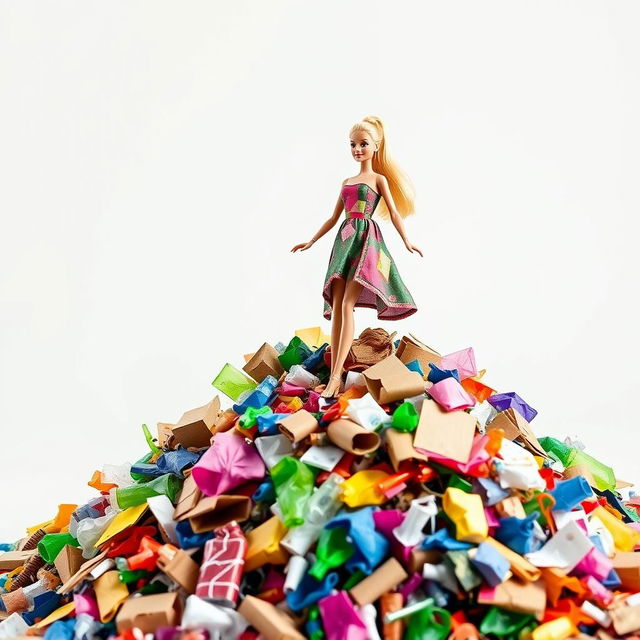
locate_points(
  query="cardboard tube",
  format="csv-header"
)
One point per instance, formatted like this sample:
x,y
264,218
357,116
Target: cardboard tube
x,y
297,426
384,578
352,437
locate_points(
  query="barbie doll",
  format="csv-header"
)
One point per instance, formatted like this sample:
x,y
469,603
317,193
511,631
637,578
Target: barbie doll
x,y
361,271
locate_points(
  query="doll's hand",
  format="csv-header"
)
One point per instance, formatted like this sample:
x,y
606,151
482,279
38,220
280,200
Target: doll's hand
x,y
303,246
412,248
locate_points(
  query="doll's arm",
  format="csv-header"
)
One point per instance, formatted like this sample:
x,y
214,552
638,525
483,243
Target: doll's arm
x,y
328,224
383,187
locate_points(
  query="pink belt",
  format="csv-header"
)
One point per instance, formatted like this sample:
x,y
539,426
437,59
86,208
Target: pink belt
x,y
356,215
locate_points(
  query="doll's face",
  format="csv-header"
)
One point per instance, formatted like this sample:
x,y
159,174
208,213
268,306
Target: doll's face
x,y
362,146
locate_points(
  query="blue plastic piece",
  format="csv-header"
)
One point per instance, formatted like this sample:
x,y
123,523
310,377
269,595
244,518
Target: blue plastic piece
x,y
414,365
255,399
61,630
612,580
316,360
436,374
441,539
517,533
267,386
490,491
570,493
187,539
43,605
493,566
267,423
177,461
266,492
371,547
310,590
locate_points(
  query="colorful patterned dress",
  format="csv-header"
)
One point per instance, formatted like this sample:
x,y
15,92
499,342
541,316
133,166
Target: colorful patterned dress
x,y
359,253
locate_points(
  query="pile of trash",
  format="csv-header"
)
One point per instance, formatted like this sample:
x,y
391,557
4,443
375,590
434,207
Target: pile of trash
x,y
417,504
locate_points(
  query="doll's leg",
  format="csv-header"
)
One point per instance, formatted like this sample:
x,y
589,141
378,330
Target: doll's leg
x,y
351,293
337,294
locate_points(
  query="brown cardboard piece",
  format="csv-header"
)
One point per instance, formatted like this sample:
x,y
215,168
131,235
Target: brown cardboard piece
x,y
625,619
351,437
627,565
84,570
194,429
68,561
213,512
150,612
515,427
268,620
182,569
10,560
390,380
400,448
165,434
419,557
410,348
263,363
522,597
187,498
510,507
385,578
448,433
297,426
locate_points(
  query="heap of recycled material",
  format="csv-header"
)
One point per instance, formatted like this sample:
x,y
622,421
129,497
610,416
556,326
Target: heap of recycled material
x,y
417,504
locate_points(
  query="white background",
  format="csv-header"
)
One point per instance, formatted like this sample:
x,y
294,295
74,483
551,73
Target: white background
x,y
159,159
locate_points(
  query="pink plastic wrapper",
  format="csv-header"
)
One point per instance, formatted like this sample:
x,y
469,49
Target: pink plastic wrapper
x,y
288,389
450,395
222,565
598,590
464,361
340,618
228,463
595,564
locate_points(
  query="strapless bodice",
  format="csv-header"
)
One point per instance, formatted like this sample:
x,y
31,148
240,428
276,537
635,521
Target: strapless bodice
x,y
360,200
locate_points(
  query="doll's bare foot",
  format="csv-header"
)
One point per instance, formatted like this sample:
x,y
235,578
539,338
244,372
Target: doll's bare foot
x,y
333,386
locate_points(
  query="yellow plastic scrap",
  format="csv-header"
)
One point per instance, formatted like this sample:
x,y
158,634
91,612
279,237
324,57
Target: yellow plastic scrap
x,y
466,511
58,614
263,545
362,488
313,337
122,521
43,525
558,629
624,537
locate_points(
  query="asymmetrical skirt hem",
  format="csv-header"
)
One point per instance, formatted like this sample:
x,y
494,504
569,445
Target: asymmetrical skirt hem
x,y
387,310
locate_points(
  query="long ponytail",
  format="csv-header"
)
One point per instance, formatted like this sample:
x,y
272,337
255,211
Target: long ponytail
x,y
400,186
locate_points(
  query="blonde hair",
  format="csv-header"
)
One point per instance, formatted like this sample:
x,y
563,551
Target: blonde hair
x,y
400,186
